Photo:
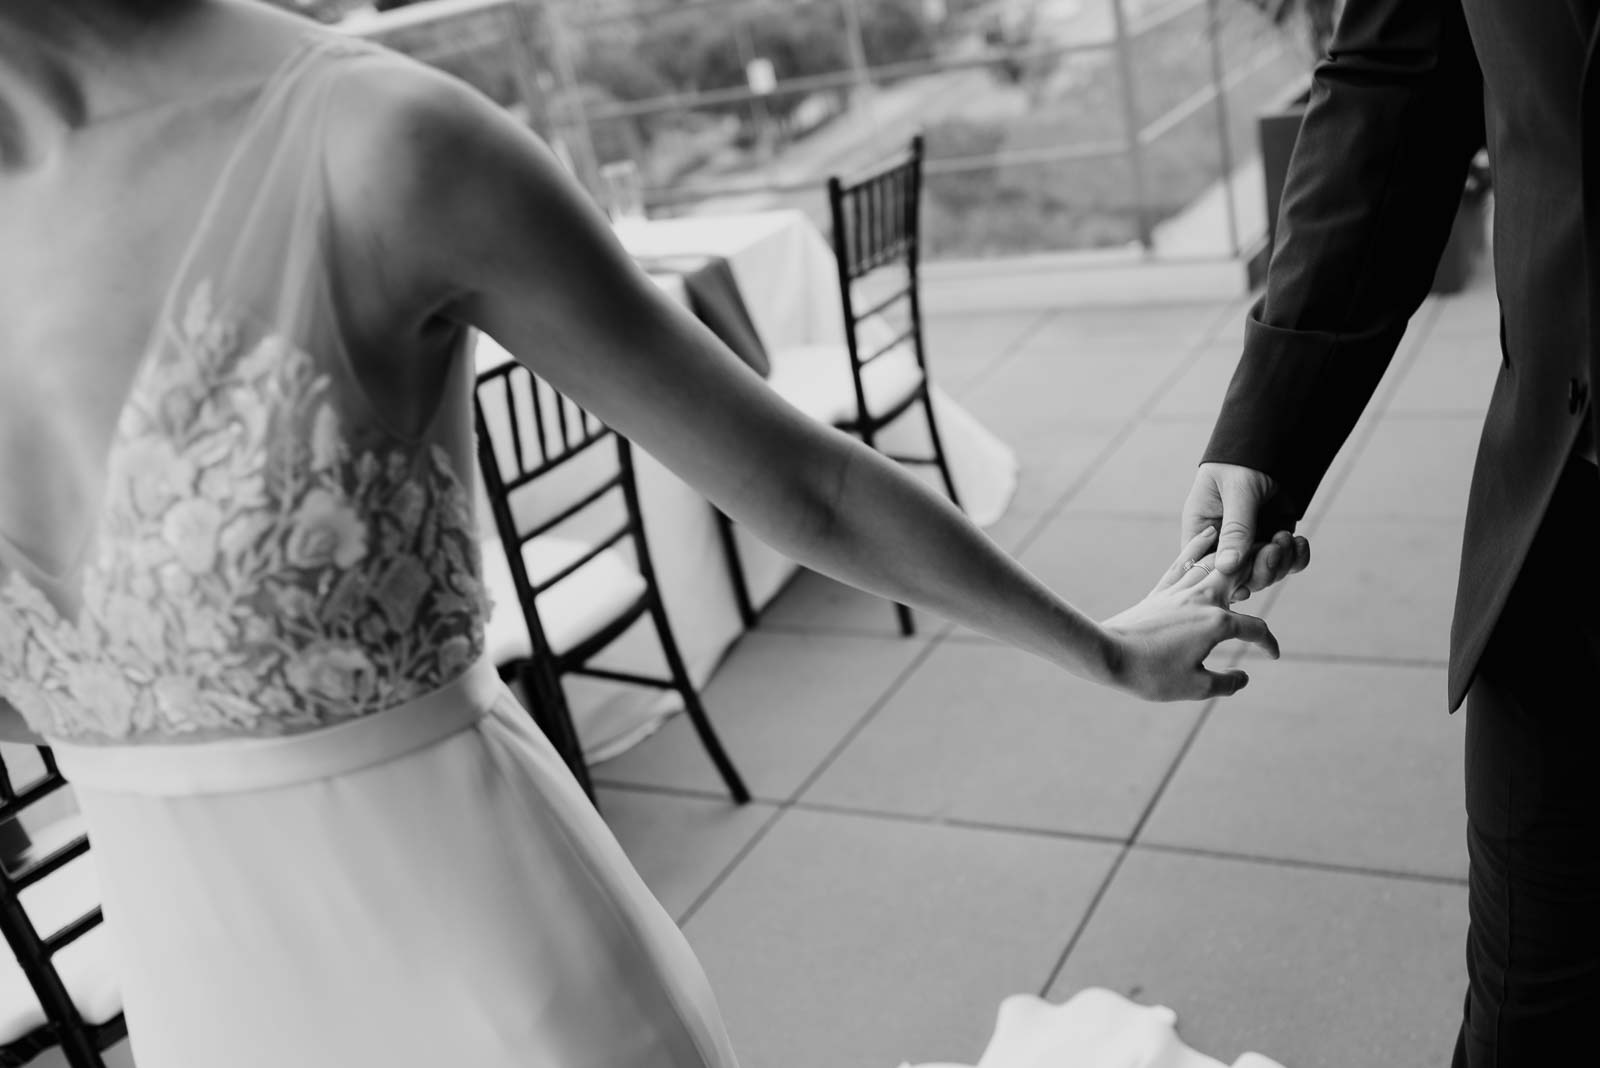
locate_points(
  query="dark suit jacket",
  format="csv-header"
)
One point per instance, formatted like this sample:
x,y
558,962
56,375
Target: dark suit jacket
x,y
1410,91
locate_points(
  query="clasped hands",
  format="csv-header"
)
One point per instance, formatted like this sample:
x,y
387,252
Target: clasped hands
x,y
1242,503
1160,644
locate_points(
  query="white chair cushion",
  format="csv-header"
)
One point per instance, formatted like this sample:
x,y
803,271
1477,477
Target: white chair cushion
x,y
817,380
85,966
572,611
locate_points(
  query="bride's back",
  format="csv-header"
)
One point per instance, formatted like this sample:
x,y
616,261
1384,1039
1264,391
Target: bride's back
x,y
97,212
214,521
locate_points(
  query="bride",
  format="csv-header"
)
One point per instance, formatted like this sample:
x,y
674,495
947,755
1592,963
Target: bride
x,y
239,585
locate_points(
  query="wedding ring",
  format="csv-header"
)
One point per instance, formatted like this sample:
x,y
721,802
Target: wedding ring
x,y
1196,563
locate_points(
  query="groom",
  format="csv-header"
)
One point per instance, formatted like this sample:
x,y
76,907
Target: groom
x,y
1410,92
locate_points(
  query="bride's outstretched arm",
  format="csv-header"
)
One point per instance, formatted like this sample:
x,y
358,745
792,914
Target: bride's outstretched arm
x,y
470,209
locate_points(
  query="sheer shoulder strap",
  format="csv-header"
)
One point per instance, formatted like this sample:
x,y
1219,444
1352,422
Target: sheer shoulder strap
x,y
261,246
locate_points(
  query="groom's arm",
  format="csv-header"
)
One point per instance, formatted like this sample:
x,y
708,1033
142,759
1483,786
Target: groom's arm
x,y
1396,115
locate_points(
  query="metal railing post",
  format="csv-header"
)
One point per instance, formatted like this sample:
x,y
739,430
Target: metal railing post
x,y
864,94
1219,85
856,45
760,115
523,22
1130,123
576,113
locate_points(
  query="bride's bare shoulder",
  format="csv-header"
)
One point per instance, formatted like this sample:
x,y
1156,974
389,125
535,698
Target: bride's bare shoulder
x,y
424,163
399,118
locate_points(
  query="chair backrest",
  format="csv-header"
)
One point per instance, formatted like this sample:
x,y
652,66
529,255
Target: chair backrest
x,y
34,951
529,433
877,224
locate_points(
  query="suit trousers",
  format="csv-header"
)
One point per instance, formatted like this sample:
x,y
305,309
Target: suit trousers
x,y
1533,804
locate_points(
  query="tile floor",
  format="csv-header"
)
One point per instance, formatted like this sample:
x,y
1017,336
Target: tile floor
x,y
941,821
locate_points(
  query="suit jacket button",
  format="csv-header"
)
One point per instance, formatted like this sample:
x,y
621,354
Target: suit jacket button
x,y
1577,393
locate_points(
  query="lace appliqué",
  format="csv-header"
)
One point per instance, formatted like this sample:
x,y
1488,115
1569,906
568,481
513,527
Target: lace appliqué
x,y
253,571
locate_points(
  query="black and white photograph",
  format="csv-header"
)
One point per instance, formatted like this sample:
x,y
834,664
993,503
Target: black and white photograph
x,y
799,533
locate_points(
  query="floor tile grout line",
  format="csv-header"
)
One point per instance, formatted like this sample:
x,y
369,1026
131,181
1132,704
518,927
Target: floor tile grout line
x,y
1140,414
1107,451
1411,350
1128,845
867,717
1083,921
728,869
1233,309
1009,353
816,773
1132,840
1147,408
826,808
1195,352
1301,864
1379,407
1265,860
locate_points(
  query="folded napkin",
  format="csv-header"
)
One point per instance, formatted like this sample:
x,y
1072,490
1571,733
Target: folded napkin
x,y
715,299
1094,1029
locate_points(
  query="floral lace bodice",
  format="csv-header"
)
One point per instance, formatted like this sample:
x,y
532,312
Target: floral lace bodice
x,y
263,563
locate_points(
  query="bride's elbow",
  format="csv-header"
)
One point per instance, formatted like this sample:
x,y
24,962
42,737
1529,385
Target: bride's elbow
x,y
818,492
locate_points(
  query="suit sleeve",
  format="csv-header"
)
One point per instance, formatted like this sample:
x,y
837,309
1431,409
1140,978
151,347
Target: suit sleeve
x,y
1395,116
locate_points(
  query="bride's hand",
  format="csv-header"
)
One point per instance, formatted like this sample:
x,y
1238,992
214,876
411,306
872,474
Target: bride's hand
x,y
1162,642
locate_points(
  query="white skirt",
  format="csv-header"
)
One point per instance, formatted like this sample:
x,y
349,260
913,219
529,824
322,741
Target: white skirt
x,y
425,887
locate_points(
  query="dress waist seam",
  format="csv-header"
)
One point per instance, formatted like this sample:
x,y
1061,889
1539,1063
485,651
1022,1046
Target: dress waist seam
x,y
241,765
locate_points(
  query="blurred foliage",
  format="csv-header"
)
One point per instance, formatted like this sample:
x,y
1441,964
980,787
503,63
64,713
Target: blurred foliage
x,y
627,52
1015,36
985,208
653,50
708,47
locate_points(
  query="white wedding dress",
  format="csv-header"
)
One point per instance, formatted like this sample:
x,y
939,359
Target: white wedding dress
x,y
326,835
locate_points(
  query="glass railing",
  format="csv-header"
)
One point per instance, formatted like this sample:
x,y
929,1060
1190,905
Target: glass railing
x,y
1050,125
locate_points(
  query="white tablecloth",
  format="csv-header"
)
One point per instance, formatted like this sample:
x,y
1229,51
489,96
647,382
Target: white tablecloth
x,y
786,275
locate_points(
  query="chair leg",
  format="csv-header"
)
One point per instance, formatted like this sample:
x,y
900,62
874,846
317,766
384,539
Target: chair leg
x,y
79,1049
730,553
938,445
551,713
691,702
866,430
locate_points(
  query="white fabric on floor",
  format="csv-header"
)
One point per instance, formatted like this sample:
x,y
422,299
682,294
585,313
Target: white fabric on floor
x,y
1096,1028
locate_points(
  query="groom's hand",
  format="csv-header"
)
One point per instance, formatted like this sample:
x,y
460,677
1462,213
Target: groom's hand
x,y
1243,504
